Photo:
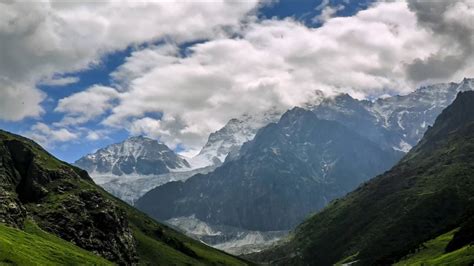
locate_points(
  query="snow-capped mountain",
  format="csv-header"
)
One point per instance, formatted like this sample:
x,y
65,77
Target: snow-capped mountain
x,y
295,166
409,116
134,156
235,133
130,188
133,167
396,122
393,124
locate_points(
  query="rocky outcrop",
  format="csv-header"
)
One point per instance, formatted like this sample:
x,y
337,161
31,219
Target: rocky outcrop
x,y
61,199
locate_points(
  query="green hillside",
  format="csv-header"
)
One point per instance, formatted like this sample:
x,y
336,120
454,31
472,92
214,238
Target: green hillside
x,y
428,194
33,246
433,252
39,191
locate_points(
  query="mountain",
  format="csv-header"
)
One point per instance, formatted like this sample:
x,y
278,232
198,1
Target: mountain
x,y
397,122
133,167
58,207
33,246
131,188
130,169
421,210
231,137
134,156
290,169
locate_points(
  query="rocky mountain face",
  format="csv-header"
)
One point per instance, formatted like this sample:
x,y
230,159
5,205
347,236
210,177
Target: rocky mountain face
x,y
133,167
390,217
131,188
290,169
397,122
61,199
231,137
34,185
134,156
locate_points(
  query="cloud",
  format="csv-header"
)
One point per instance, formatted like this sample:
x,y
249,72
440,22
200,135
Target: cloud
x,y
96,135
327,12
18,100
252,66
83,106
41,39
59,81
277,63
452,23
47,137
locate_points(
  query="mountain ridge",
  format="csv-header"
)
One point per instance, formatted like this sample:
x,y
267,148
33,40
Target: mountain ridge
x,y
291,167
427,194
135,155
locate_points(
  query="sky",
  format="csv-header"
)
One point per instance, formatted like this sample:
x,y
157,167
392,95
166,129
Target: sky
x,y
76,76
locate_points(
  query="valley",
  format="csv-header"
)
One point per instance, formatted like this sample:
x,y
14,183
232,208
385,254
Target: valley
x,y
237,132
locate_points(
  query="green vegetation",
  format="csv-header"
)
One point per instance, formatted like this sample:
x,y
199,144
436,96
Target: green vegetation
x,y
433,253
63,200
33,246
428,193
157,243
349,259
42,157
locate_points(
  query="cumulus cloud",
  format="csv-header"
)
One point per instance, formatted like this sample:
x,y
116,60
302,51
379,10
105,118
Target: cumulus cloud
x,y
47,136
277,63
327,13
96,135
241,67
452,23
83,106
41,39
18,100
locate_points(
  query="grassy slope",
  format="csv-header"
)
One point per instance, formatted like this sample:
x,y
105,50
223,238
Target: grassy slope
x,y
433,253
426,194
157,244
415,208
33,246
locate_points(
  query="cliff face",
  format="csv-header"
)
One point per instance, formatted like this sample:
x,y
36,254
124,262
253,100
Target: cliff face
x,y
289,170
61,199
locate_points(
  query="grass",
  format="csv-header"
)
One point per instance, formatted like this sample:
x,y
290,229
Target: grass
x,y
33,246
42,157
433,253
349,259
389,217
157,244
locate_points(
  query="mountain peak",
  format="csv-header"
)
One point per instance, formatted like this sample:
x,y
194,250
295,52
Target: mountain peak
x,y
392,215
296,114
136,155
139,138
457,115
236,132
